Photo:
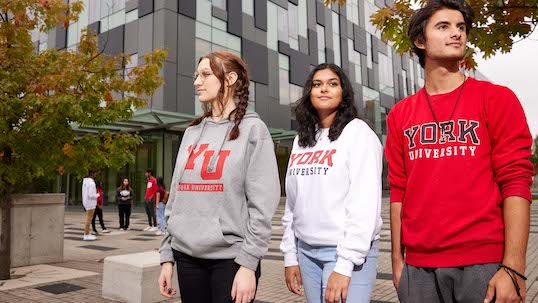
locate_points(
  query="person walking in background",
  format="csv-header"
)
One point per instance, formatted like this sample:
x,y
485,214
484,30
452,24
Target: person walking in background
x,y
332,217
149,200
459,172
224,192
89,201
161,197
124,197
99,209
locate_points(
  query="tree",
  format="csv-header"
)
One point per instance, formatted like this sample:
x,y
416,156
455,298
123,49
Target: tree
x,y
43,95
498,25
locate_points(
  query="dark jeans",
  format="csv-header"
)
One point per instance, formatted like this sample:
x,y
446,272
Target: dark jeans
x,y
98,212
445,285
150,211
205,280
125,214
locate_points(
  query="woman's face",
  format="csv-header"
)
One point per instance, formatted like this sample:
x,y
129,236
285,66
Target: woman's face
x,y
125,182
326,92
207,84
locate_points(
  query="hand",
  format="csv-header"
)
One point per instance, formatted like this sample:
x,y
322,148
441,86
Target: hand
x,y
165,280
397,267
503,289
293,275
337,287
244,285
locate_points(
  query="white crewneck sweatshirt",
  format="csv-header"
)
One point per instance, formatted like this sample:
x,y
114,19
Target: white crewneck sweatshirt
x,y
333,195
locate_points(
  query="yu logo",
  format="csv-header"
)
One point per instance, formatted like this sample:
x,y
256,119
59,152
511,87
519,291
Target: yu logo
x,y
205,173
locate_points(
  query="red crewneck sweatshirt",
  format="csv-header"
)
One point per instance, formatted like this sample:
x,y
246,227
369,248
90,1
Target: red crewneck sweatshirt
x,y
451,187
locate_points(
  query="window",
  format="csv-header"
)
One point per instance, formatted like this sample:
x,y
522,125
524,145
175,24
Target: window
x,y
283,28
369,51
203,11
355,61
284,86
321,43
248,7
131,16
272,26
303,19
220,4
386,75
404,84
336,39
372,109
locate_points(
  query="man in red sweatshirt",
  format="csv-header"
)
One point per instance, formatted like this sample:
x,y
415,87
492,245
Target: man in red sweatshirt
x,y
149,200
459,174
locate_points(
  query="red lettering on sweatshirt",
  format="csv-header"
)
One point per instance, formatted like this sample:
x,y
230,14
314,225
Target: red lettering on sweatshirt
x,y
313,158
194,155
217,174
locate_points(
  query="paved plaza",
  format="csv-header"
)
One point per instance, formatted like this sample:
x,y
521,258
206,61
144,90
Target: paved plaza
x,y
79,277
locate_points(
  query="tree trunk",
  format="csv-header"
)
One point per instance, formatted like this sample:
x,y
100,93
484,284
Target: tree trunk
x,y
5,236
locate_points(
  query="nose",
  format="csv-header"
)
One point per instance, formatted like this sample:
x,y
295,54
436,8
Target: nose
x,y
456,33
197,81
324,88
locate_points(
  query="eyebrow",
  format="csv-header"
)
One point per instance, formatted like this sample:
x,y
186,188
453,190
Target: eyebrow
x,y
327,80
448,23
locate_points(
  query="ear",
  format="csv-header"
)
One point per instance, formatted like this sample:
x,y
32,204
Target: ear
x,y
420,44
231,78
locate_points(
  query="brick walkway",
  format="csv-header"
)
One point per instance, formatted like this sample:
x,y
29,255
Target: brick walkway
x,y
88,256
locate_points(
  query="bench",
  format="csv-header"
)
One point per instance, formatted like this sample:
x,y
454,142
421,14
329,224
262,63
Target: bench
x,y
133,278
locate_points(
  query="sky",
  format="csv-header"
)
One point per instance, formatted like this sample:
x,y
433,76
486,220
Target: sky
x,y
518,70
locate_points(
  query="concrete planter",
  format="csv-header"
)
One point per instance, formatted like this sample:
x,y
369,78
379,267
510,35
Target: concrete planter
x,y
37,229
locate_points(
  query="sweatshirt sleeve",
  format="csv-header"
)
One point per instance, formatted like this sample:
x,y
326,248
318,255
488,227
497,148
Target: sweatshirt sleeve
x,y
511,143
363,200
262,188
394,151
288,246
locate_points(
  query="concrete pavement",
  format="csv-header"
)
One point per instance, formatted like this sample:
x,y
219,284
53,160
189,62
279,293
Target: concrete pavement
x,y
87,259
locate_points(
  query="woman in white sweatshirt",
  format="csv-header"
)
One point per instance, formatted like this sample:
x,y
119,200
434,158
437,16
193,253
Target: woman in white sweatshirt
x,y
89,201
333,187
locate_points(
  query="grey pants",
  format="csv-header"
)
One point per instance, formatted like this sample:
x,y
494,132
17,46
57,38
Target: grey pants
x,y
445,285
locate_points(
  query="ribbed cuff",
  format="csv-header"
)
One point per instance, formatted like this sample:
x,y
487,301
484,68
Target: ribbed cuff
x,y
344,267
247,260
396,195
290,259
167,256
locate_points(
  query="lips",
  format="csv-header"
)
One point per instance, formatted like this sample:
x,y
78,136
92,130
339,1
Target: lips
x,y
325,98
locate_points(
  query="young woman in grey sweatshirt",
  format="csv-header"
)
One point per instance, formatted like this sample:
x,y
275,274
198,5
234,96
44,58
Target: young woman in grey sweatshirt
x,y
224,192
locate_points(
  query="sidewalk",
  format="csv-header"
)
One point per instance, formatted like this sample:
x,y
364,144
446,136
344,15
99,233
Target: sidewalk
x,y
87,259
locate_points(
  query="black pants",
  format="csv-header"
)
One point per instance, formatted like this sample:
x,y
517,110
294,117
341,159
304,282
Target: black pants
x,y
125,214
98,212
150,211
206,281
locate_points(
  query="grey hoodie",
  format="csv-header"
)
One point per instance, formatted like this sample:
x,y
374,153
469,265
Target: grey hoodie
x,y
223,193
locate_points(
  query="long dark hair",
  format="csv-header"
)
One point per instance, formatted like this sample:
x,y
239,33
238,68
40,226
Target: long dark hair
x,y
160,182
123,187
222,63
307,116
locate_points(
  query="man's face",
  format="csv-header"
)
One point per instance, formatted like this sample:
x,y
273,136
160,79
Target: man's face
x,y
446,36
147,175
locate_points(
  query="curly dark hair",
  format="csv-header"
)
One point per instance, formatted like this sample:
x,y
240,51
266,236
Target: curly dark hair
x,y
307,116
417,24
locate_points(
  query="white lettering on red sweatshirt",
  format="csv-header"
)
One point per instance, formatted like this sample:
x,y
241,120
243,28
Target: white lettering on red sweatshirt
x,y
452,187
333,195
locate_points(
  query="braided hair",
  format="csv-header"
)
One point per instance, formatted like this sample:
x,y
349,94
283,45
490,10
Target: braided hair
x,y
222,63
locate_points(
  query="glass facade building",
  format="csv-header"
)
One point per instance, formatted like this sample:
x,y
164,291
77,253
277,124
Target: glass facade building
x,y
280,40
